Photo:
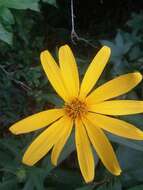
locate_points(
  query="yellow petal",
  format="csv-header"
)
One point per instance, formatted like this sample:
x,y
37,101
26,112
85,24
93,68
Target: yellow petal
x,y
94,71
44,142
118,107
69,70
102,147
67,128
53,73
115,87
116,126
36,121
84,152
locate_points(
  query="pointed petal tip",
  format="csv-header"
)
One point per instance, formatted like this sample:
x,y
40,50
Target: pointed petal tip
x,y
54,162
140,135
118,172
26,163
138,75
13,130
89,179
107,49
65,45
43,56
43,53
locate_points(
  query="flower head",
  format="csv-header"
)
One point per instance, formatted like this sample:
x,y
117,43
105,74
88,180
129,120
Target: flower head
x,y
88,110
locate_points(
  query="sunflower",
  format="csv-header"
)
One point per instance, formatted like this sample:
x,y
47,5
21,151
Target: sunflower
x,y
86,109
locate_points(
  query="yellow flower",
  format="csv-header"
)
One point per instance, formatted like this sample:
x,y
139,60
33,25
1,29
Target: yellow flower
x,y
84,109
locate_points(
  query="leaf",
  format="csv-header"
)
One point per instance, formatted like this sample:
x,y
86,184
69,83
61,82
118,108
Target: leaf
x,y
134,119
131,164
138,187
119,40
115,52
20,4
51,2
28,185
11,145
137,145
6,161
87,187
113,184
102,187
71,178
136,22
68,148
53,98
5,36
9,184
38,181
6,17
36,177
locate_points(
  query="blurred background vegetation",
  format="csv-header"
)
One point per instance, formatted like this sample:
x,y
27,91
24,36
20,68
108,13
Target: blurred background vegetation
x,y
26,28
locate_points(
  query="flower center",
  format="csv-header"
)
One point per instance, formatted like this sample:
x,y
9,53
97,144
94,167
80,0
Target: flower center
x,y
75,108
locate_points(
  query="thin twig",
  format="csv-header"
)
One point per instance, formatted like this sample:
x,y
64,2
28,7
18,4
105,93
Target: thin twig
x,y
73,32
74,35
98,183
24,86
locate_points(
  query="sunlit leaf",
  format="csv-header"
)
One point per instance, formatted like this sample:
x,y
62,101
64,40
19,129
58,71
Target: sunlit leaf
x,y
20,4
5,36
6,16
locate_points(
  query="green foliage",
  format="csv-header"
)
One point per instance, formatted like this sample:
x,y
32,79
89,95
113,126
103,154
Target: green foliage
x,y
22,4
7,19
127,54
138,187
26,28
51,2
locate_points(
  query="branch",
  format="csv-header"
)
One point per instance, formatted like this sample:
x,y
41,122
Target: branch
x,y
24,86
73,32
74,35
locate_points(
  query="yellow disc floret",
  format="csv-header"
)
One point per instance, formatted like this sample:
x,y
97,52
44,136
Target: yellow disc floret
x,y
76,108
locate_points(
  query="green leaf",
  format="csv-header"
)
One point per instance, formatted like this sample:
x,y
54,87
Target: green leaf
x,y
131,164
36,176
5,36
6,16
138,187
20,4
136,22
67,177
12,147
53,98
51,2
136,120
119,40
67,150
9,184
87,187
38,181
115,53
28,185
113,184
137,145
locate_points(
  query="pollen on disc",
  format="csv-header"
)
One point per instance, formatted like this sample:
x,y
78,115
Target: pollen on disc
x,y
75,108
